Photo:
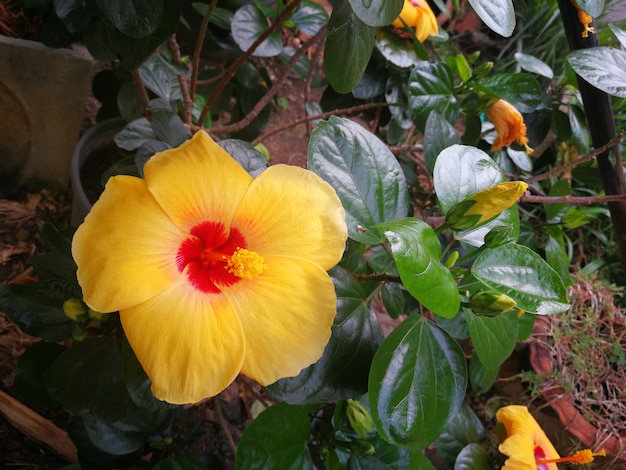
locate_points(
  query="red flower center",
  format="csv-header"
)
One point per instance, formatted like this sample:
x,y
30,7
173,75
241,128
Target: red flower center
x,y
206,254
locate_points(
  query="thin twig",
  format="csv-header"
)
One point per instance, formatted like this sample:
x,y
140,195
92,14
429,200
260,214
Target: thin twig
x,y
195,61
377,277
217,406
139,88
572,200
174,48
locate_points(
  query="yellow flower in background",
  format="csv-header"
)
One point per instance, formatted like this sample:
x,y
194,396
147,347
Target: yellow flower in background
x,y
418,14
213,272
527,445
484,205
509,125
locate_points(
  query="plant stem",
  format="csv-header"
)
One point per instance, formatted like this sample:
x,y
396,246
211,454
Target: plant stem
x,y
195,61
601,122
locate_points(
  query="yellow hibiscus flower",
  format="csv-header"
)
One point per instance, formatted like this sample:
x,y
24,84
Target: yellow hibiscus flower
x,y
418,14
528,447
213,272
509,125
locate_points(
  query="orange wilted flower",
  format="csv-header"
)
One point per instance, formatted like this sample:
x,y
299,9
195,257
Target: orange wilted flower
x,y
213,272
528,447
509,125
418,14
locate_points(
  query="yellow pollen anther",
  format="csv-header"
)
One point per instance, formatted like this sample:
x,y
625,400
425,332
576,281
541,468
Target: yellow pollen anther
x,y
245,264
580,457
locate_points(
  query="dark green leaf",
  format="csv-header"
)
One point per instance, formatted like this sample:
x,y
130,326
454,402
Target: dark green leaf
x,y
145,153
75,14
342,370
441,134
29,381
248,157
56,261
392,296
557,257
579,129
520,89
87,378
169,128
396,50
386,457
523,275
493,337
377,12
417,383
136,18
603,67
431,89
135,134
395,94
498,15
37,309
180,462
417,251
481,377
277,438
473,457
248,24
532,64
160,77
367,177
463,429
348,47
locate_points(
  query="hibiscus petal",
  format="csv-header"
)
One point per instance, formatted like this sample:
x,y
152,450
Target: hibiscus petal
x,y
191,182
126,248
190,344
286,314
289,211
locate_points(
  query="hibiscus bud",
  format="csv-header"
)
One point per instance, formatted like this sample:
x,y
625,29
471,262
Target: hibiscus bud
x,y
75,310
79,331
452,259
491,303
498,236
359,418
484,205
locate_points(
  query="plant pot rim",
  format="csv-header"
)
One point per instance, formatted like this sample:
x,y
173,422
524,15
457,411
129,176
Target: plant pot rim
x,y
573,421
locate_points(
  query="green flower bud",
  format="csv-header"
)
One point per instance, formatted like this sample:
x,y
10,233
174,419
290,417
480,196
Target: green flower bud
x,y
362,448
97,316
79,331
498,236
75,310
491,303
452,259
359,418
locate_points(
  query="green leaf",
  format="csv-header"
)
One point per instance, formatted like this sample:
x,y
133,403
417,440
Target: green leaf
x,y
75,14
87,378
395,49
463,429
135,134
377,12
136,18
420,462
481,377
532,64
169,128
461,171
603,67
417,251
441,134
342,371
37,309
29,378
395,94
431,86
593,7
277,438
348,48
246,155
56,262
392,297
520,89
417,383
248,24
620,34
387,457
180,462
367,177
310,17
557,257
498,15
493,338
523,275
473,457
160,77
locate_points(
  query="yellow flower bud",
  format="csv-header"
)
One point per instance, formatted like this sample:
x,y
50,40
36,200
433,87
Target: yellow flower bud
x,y
491,303
484,205
75,310
418,14
359,418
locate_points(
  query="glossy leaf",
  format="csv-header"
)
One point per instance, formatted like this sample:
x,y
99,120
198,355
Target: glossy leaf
x,y
603,67
417,383
493,337
277,438
620,34
441,134
348,48
463,429
135,134
395,94
310,17
246,155
417,252
431,87
593,7
396,50
498,15
392,296
377,12
160,77
420,462
387,456
533,64
461,171
481,377
473,457
169,128
342,371
248,25
136,18
523,275
520,89
367,177
87,378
